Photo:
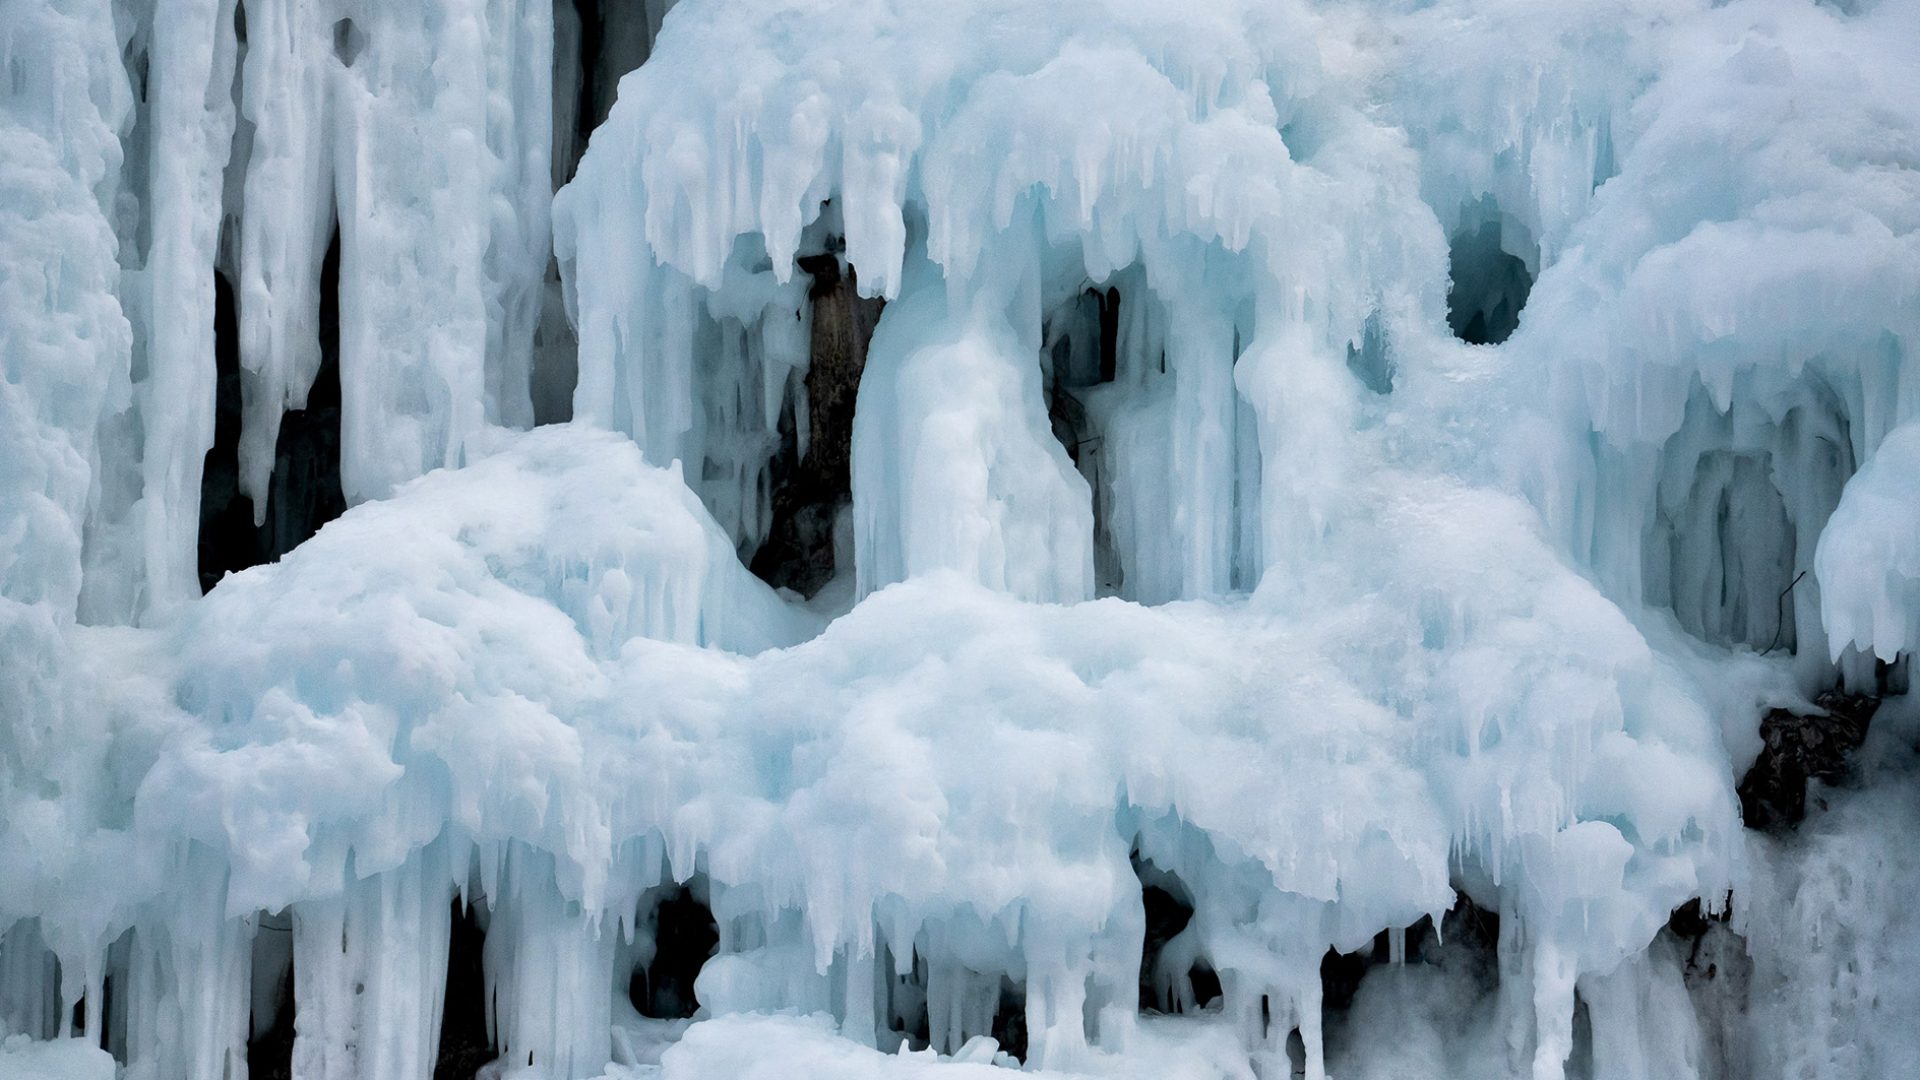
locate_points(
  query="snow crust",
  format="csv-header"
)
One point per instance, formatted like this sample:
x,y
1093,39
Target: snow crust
x,y
1261,589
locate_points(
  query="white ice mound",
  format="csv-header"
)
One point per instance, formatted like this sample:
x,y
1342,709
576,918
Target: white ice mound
x,y
457,622
543,678
1869,557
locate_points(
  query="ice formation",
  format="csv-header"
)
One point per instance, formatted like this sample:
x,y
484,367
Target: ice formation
x,y
865,538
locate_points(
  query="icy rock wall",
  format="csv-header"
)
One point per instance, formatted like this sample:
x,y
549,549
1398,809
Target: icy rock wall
x,y
1388,624
986,162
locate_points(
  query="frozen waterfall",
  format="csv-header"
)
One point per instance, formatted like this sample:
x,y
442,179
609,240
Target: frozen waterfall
x,y
882,539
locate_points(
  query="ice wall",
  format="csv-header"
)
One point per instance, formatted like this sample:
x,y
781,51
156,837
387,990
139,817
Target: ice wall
x,y
1732,318
988,157
253,131
1197,547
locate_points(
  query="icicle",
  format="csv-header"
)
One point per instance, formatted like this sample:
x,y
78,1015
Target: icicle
x,y
191,118
370,972
285,218
438,291
954,464
549,964
29,983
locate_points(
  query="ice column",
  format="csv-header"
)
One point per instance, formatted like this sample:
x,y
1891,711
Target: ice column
x,y
190,119
370,969
64,343
954,463
187,986
442,209
286,216
550,965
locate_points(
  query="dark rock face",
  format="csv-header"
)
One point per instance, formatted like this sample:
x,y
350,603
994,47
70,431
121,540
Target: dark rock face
x,y
809,491
1798,749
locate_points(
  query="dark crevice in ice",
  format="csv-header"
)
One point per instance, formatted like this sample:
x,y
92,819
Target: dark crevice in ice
x,y
556,359
1169,911
1081,351
1010,1019
809,491
1082,342
1109,305
304,491
587,113
1466,927
1718,972
349,41
271,1026
465,1044
907,1003
228,540
685,938
614,38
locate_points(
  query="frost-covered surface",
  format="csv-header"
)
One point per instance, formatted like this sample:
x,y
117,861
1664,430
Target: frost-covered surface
x,y
65,1059
1186,551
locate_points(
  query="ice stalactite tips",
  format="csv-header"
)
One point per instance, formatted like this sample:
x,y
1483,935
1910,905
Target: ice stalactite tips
x,y
879,539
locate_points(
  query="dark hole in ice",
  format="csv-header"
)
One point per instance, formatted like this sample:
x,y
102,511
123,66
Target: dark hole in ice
x,y
907,1004
685,937
1296,1050
1490,284
1168,914
304,491
1470,925
1082,339
348,41
587,113
809,492
465,1045
1341,973
1109,303
1010,1019
228,540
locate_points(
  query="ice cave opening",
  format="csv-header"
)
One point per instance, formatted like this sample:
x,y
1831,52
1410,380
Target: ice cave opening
x,y
1175,976
1491,263
683,937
